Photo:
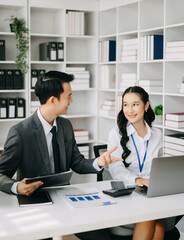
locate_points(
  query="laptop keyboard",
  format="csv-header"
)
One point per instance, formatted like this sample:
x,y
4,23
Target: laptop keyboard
x,y
142,189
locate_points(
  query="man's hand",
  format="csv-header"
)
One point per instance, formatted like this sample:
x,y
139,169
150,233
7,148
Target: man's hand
x,y
106,158
142,182
28,189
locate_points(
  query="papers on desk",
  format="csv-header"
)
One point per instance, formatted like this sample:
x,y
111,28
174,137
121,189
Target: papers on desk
x,y
92,197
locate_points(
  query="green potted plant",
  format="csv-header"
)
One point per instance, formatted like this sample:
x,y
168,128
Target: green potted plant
x,y
158,110
18,26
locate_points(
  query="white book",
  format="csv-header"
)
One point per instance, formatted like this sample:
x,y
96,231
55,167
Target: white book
x,y
174,49
129,76
127,84
174,124
131,41
109,102
145,48
149,47
129,81
82,75
129,53
142,49
35,103
107,77
150,82
129,47
173,152
107,107
174,146
75,69
80,86
176,55
129,58
175,44
107,112
78,81
83,148
80,132
81,138
175,138
175,116
153,88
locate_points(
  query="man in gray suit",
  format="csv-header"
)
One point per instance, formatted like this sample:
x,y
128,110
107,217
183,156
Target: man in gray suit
x,y
28,148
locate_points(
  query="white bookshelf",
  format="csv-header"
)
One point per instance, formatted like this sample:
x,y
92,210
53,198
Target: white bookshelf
x,y
104,20
133,19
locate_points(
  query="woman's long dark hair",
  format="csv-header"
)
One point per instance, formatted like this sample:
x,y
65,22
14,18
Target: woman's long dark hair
x,y
149,117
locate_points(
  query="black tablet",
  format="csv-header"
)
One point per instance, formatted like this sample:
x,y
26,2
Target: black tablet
x,y
52,180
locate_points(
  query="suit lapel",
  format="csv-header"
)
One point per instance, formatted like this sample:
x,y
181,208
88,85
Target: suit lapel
x,y
40,135
61,142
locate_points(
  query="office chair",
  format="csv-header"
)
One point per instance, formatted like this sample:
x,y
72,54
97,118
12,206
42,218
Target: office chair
x,y
174,234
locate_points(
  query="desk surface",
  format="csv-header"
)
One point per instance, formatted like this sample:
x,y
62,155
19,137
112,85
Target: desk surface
x,y
59,219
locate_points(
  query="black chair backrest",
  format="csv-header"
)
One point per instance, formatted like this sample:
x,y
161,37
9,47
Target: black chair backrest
x,y
104,175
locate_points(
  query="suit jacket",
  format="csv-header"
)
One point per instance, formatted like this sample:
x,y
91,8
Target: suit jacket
x,y
26,152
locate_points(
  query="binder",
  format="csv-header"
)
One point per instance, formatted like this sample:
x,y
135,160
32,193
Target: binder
x,y
17,79
156,47
9,79
112,50
3,108
34,77
2,50
60,51
12,107
20,108
48,51
2,79
41,72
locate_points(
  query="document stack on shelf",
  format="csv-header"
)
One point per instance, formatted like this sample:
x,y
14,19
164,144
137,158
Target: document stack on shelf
x,y
151,47
175,120
128,80
84,150
107,50
34,106
174,145
107,76
81,135
108,108
151,85
75,23
82,78
129,49
174,50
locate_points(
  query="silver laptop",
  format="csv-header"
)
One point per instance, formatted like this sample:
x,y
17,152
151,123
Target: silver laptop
x,y
167,176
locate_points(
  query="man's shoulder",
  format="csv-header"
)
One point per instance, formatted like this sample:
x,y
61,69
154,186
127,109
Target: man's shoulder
x,y
63,120
26,123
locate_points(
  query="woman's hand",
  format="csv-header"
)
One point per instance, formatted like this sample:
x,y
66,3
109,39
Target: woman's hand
x,y
142,182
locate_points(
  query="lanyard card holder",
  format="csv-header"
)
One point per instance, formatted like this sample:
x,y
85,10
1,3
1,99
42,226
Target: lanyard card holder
x,y
118,189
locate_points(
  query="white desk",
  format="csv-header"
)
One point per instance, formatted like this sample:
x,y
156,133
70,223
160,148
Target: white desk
x,y
26,223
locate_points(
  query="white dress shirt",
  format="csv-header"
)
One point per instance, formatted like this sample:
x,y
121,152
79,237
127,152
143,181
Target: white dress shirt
x,y
118,169
47,127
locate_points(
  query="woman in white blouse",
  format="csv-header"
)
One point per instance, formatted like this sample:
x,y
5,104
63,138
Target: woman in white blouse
x,y
138,143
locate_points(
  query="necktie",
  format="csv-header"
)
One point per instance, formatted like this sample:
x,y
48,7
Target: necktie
x,y
55,148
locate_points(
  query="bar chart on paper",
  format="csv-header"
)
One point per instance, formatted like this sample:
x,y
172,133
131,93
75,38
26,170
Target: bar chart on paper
x,y
90,198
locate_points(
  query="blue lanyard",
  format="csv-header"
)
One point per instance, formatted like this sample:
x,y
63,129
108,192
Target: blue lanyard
x,y
140,166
